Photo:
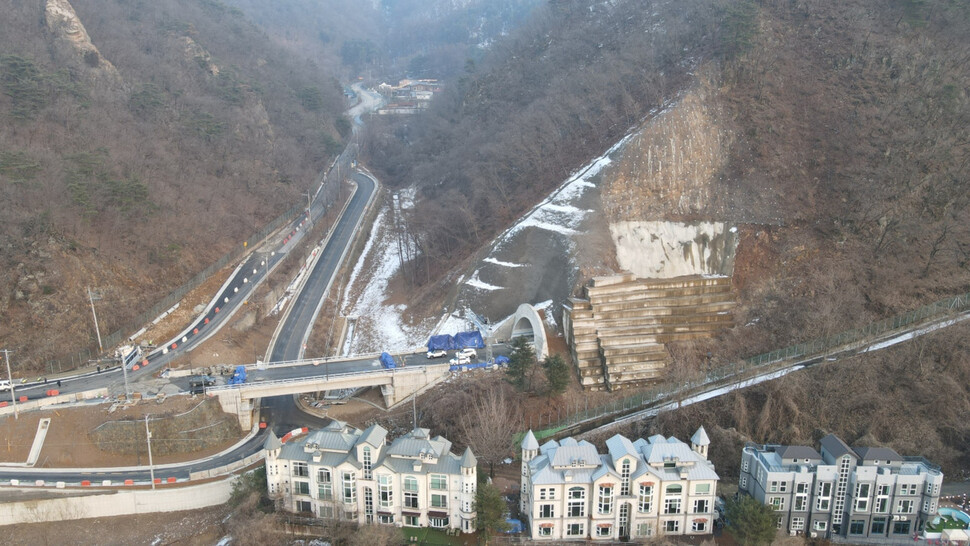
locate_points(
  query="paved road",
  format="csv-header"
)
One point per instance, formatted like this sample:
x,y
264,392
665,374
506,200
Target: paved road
x,y
305,307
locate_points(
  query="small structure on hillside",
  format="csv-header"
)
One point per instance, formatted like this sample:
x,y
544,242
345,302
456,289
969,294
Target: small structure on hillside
x,y
618,332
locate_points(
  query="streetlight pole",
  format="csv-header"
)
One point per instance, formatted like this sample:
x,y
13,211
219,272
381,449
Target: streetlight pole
x,y
13,396
97,330
151,466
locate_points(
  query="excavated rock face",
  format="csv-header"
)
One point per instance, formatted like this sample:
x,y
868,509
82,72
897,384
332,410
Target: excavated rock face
x,y
74,44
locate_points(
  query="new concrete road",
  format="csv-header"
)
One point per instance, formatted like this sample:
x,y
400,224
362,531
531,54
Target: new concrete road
x,y
296,327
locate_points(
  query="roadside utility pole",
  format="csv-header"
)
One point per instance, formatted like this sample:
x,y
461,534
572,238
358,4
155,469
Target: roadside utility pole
x,y
13,397
151,466
97,330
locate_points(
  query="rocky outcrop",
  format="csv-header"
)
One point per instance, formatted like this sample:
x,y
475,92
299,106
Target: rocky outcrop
x,y
73,44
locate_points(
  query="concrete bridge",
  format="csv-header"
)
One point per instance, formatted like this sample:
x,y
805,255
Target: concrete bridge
x,y
397,385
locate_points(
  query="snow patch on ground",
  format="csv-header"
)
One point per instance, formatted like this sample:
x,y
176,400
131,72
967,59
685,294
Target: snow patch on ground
x,y
475,282
501,263
380,327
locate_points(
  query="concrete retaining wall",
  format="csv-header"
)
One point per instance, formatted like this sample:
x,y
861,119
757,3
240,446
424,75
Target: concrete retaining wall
x,y
117,503
54,400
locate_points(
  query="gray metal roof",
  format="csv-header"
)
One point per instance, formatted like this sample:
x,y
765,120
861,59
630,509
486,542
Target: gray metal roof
x,y
569,455
836,447
700,437
529,441
877,454
798,452
468,459
272,442
618,446
374,435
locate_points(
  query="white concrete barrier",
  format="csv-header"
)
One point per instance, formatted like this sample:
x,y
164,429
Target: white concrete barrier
x,y
116,503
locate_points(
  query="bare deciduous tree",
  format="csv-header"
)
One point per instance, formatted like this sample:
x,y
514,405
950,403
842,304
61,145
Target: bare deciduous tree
x,y
488,425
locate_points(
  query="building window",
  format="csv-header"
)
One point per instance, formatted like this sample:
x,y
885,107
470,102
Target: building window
x,y
883,490
412,521
644,529
672,505
326,511
645,498
575,530
801,503
904,506
605,499
385,518
824,500
304,506
743,482
801,488
323,476
778,503
901,527
325,491
857,527
625,478
672,526
410,492
907,489
438,522
439,501
821,525
385,493
778,521
350,487
439,482
702,489
604,530
576,508
701,506
882,505
547,510
797,524
878,526
366,462
301,488
699,526
777,487
744,464
547,493
545,531
300,469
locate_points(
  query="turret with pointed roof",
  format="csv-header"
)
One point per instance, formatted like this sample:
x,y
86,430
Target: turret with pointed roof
x,y
699,442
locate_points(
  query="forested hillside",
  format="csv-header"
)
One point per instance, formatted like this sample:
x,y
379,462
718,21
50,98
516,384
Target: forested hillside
x,y
388,39
844,161
140,141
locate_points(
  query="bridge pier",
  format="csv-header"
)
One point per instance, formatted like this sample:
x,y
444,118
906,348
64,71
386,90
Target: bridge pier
x,y
403,385
233,402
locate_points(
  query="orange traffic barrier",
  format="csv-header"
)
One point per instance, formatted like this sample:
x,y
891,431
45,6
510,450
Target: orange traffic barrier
x,y
3,404
195,331
23,398
129,482
217,309
262,424
158,480
171,479
175,345
144,362
206,321
135,368
53,392
85,483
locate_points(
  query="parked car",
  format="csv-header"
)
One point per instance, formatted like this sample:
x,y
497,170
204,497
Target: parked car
x,y
467,353
437,353
4,385
201,381
459,360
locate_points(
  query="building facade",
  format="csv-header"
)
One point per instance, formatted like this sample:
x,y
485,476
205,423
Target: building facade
x,y
345,473
658,486
862,492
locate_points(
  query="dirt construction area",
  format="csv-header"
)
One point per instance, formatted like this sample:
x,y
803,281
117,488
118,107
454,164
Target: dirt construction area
x,y
71,441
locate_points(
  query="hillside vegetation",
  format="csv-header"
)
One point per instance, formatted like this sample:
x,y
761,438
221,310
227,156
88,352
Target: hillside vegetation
x,y
139,142
841,148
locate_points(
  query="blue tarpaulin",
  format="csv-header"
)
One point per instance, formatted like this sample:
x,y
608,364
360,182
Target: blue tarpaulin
x,y
238,377
500,360
515,526
471,339
443,342
387,361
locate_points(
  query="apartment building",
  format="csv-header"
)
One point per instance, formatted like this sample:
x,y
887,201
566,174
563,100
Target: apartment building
x,y
861,492
643,488
346,473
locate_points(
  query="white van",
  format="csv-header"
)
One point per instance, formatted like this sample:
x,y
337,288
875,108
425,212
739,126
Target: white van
x,y
4,385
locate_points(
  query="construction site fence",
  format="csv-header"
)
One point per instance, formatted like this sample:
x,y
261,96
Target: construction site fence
x,y
816,347
116,338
